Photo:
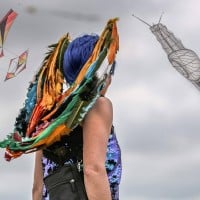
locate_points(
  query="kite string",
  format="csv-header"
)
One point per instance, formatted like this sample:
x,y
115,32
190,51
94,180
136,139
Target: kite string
x,y
12,59
11,52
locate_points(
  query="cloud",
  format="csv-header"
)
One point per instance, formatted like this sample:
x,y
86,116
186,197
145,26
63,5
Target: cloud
x,y
158,176
156,110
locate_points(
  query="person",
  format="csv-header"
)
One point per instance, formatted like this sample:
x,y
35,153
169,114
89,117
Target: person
x,y
100,151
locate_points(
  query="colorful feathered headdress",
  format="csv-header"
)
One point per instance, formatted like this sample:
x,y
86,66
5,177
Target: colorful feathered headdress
x,y
49,111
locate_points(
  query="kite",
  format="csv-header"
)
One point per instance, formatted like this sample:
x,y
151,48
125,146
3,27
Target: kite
x,y
50,112
5,25
184,60
16,65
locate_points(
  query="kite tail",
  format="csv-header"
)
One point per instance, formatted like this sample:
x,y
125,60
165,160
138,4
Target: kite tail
x,y
51,113
36,92
49,84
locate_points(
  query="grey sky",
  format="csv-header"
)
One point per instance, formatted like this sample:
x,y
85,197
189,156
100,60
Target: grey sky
x,y
156,110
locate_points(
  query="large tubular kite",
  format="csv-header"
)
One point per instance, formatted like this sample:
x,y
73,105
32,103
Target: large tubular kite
x,y
50,113
184,60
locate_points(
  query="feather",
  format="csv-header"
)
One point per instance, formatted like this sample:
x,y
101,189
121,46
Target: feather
x,y
114,46
55,113
51,80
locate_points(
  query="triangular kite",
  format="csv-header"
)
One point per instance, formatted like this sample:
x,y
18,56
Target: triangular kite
x,y
5,25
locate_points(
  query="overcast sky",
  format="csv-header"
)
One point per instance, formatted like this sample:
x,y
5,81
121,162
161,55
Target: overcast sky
x,y
156,110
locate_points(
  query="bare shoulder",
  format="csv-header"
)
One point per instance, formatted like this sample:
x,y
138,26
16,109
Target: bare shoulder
x,y
99,119
102,110
103,106
103,102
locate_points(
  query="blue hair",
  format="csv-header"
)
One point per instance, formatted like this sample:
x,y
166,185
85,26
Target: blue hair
x,y
76,55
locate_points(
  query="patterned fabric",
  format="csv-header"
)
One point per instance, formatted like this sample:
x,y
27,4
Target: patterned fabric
x,y
112,164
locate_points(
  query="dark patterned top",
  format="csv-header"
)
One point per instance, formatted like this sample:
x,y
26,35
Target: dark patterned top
x,y
112,164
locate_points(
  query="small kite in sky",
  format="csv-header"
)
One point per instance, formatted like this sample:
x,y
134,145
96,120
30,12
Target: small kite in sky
x,y
17,65
184,60
5,25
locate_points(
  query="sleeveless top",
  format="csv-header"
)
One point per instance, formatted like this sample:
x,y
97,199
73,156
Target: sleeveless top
x,y
75,140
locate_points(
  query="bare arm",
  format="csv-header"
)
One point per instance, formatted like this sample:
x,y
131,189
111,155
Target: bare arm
x,y
96,130
38,177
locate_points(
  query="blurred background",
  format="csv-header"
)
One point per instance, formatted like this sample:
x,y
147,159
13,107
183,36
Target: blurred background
x,y
156,110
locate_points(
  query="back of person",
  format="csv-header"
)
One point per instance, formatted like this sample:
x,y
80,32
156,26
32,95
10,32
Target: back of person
x,y
93,144
69,150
